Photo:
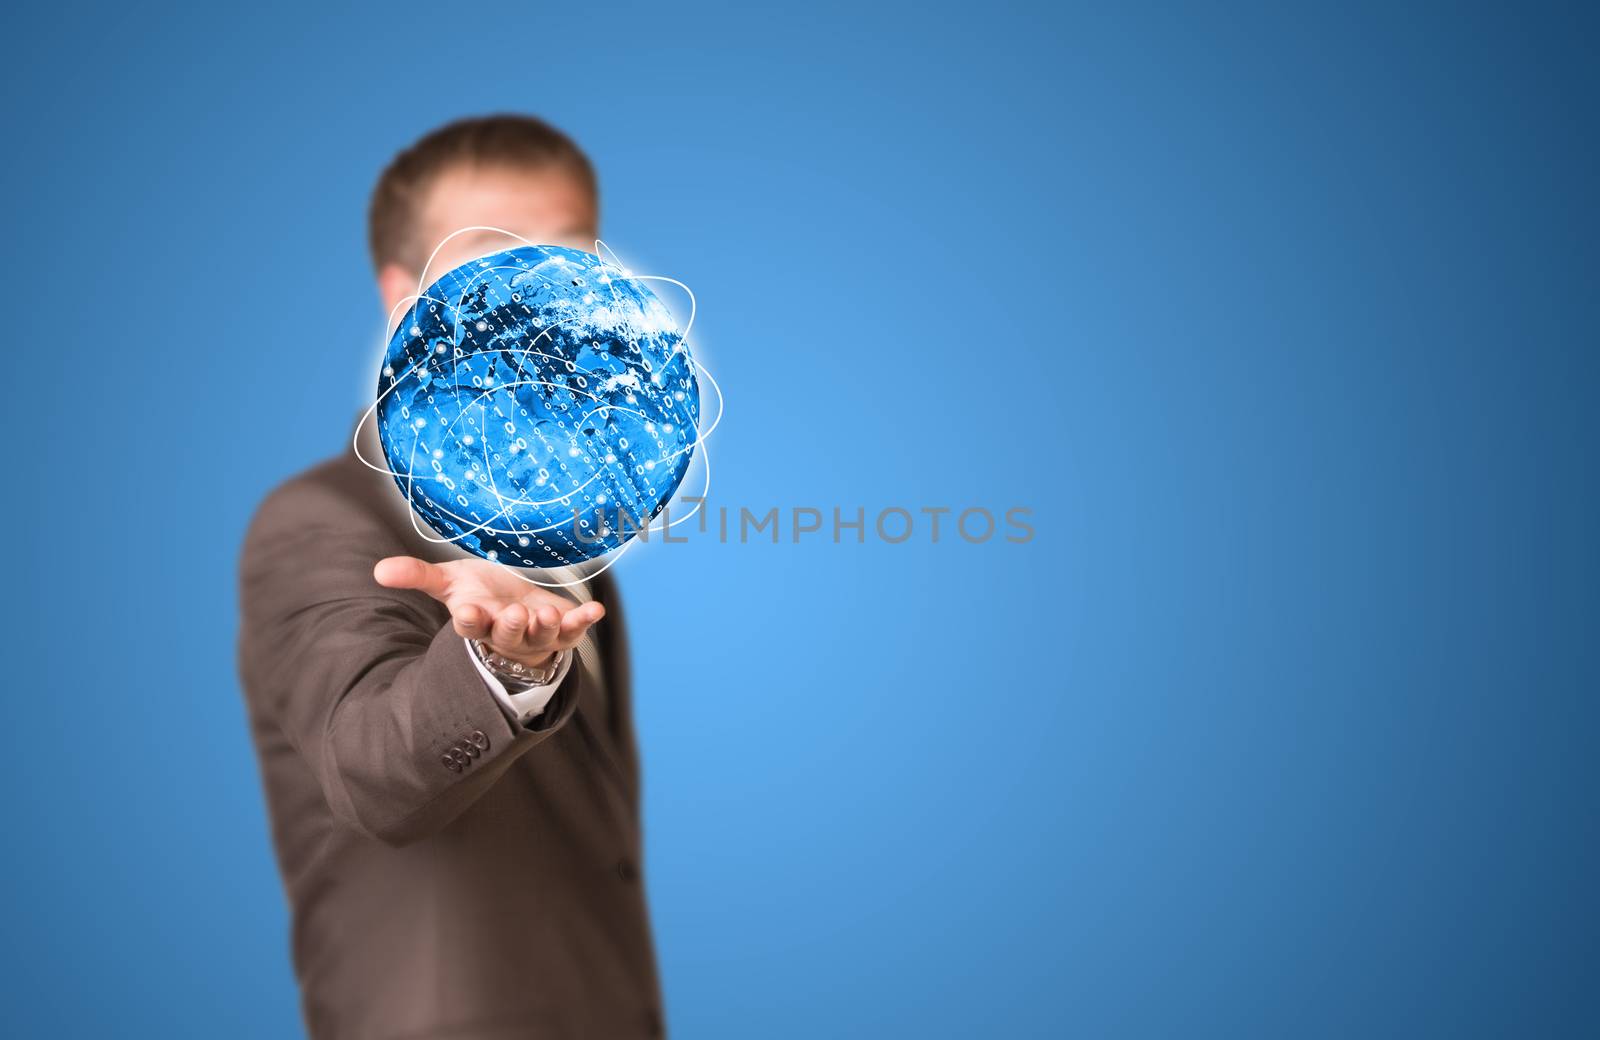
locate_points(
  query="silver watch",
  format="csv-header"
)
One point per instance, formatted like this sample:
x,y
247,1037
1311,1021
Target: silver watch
x,y
515,672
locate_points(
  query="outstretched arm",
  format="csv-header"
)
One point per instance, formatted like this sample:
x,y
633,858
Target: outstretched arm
x,y
367,673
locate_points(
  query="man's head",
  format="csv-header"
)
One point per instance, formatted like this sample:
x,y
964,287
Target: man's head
x,y
517,173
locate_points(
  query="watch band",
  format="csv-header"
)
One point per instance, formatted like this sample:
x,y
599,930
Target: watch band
x,y
515,673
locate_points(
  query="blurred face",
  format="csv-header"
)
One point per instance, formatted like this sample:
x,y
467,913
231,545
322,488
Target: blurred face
x,y
547,206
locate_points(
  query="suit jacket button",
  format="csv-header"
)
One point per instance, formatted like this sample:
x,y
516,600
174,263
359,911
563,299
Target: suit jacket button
x,y
479,739
450,763
626,870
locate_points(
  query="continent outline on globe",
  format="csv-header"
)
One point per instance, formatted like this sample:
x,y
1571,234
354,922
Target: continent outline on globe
x,y
538,406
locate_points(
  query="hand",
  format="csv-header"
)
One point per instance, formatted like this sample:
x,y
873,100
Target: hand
x,y
517,620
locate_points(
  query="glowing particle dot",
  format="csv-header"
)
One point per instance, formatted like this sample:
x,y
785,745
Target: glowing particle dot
x,y
573,451
467,439
438,454
483,326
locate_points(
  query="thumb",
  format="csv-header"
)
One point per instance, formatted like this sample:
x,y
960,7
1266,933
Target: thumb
x,y
408,572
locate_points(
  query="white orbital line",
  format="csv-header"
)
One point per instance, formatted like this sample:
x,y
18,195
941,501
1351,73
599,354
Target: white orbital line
x,y
705,435
627,274
613,408
494,486
631,276
602,250
488,471
701,437
705,491
483,391
411,477
505,502
693,304
455,319
394,383
433,536
483,526
423,275
425,536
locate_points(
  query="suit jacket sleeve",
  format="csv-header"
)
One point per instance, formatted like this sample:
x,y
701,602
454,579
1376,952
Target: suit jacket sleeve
x,y
370,685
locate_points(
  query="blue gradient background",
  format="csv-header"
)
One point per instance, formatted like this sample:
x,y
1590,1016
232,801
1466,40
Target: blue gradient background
x,y
1283,322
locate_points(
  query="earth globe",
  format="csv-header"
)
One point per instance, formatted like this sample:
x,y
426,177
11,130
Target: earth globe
x,y
538,406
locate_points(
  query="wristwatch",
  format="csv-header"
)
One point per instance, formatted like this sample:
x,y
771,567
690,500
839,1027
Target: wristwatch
x,y
515,673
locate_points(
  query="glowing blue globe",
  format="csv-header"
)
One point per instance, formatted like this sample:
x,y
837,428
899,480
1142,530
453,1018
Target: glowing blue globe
x,y
538,406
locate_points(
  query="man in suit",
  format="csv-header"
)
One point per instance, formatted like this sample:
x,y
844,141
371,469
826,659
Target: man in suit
x,y
447,751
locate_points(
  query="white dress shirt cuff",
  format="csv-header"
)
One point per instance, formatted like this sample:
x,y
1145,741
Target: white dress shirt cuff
x,y
527,703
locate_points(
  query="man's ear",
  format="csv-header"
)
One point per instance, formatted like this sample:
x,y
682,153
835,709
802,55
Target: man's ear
x,y
395,283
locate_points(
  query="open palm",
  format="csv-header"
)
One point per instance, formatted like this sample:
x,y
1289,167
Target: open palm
x,y
517,620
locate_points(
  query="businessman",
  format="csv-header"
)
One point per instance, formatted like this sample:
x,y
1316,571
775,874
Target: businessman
x,y
448,751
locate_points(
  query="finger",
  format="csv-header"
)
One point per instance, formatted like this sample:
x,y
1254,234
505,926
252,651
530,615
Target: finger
x,y
408,572
544,625
471,621
510,628
577,622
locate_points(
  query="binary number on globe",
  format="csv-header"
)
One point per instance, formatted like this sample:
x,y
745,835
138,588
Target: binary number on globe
x,y
538,406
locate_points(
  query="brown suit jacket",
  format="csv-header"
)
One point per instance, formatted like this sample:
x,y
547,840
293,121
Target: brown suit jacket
x,y
502,899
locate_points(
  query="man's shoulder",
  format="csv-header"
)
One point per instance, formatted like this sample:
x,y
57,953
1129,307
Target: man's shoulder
x,y
338,492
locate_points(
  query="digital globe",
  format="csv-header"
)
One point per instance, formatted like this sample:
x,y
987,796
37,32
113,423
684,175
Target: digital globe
x,y
538,406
